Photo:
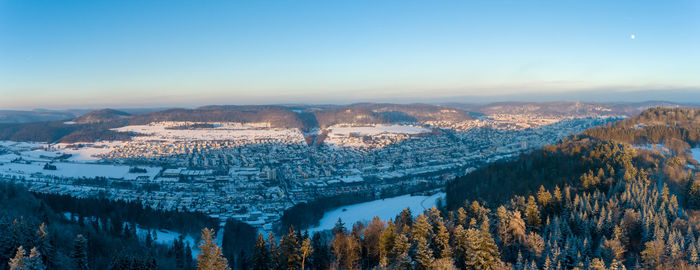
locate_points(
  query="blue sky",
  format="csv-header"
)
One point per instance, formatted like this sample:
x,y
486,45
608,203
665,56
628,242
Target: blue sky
x,y
58,54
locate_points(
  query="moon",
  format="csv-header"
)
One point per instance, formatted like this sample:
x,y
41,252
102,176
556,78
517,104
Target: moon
x,y
633,36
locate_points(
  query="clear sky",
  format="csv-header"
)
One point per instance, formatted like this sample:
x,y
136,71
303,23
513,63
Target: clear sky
x,y
58,54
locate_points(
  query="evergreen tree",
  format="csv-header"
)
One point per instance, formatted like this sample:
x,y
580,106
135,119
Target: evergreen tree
x,y
34,261
597,264
179,250
486,250
290,254
149,239
45,248
17,262
372,238
261,254
424,255
306,250
188,256
405,218
386,245
400,256
210,256
441,241
346,249
532,213
276,262
79,253
339,227
320,255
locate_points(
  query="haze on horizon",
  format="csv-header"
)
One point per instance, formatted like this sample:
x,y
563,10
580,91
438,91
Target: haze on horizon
x,y
79,54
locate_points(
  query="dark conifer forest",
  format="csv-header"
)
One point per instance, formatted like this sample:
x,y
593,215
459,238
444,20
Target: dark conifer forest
x,y
621,196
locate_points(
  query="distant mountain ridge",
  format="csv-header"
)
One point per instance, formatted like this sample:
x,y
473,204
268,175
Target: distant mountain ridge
x,y
97,125
566,108
104,115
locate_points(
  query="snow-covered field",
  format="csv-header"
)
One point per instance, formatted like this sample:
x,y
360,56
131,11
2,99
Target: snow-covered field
x,y
220,131
76,170
352,136
384,209
85,152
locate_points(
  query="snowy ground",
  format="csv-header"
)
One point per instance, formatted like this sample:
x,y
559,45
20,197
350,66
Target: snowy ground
x,y
76,170
83,152
86,153
220,131
384,209
352,136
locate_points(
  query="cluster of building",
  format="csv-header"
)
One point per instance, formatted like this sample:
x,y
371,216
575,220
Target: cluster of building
x,y
256,182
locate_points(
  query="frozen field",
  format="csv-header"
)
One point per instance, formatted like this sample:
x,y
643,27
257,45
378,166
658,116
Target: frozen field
x,y
385,209
220,131
44,152
76,170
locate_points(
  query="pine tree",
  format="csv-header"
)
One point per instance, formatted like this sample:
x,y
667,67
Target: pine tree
x,y
79,253
424,255
516,229
346,249
261,254
188,256
400,256
441,241
306,251
34,261
372,237
386,245
543,196
210,256
290,250
597,264
520,264
339,227
692,254
320,255
532,213
149,239
443,264
405,218
45,248
179,251
421,228
17,262
487,250
461,247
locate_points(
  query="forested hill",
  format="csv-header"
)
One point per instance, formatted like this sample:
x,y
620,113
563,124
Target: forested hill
x,y
605,197
97,125
605,148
